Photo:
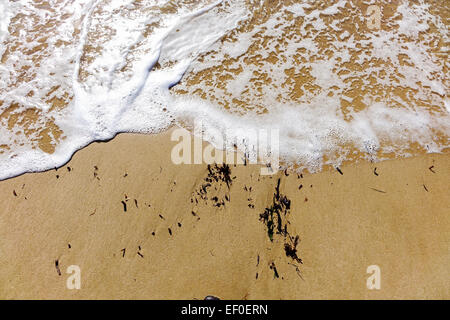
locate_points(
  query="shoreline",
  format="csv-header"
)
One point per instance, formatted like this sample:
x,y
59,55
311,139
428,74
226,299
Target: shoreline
x,y
178,231
169,130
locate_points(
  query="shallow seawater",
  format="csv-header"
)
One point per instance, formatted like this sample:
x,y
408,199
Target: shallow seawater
x,y
339,80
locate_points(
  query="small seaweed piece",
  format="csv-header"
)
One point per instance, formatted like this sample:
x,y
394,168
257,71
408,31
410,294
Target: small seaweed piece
x,y
377,190
276,219
291,250
272,215
57,267
275,271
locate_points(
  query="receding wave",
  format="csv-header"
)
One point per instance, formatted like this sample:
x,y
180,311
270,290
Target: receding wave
x,y
75,71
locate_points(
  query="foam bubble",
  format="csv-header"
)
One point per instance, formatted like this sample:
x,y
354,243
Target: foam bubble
x,y
5,16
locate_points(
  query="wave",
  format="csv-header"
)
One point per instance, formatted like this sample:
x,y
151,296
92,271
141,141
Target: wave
x,y
74,72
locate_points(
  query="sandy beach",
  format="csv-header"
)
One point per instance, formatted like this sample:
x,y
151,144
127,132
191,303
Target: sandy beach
x,y
139,226
336,85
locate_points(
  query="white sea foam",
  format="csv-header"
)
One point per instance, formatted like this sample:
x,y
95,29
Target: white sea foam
x,y
122,84
5,16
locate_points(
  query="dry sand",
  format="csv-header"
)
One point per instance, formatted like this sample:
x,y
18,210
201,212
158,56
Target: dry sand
x,y
398,220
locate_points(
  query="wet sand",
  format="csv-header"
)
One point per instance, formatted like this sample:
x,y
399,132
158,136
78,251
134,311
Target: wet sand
x,y
189,231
